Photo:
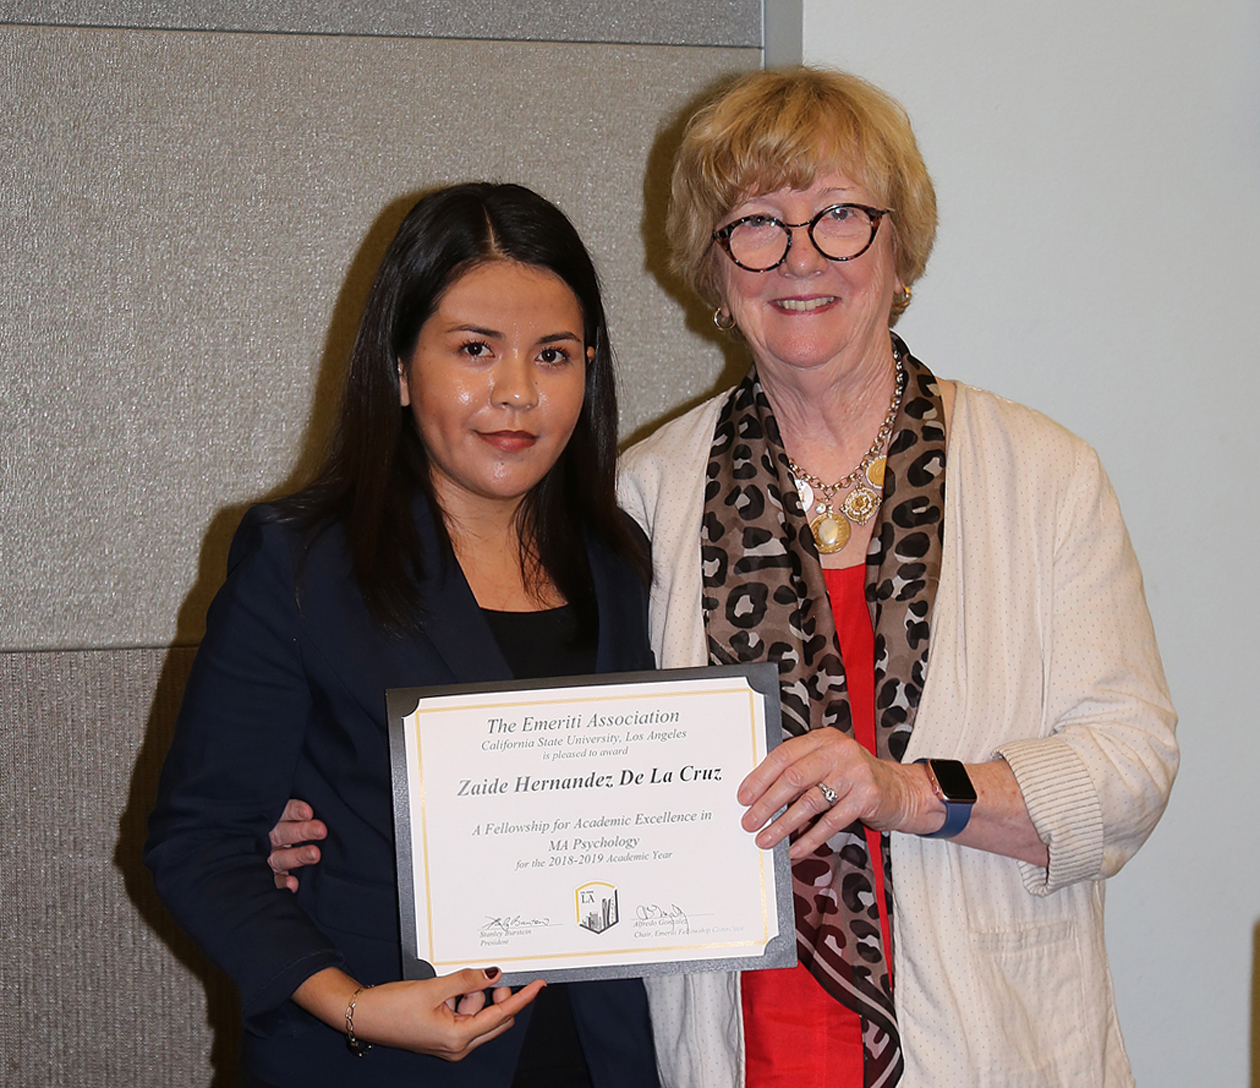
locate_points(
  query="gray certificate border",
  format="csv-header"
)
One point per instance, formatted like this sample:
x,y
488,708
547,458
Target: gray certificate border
x,y
400,703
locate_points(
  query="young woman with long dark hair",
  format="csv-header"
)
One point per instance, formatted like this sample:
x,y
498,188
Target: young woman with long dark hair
x,y
463,528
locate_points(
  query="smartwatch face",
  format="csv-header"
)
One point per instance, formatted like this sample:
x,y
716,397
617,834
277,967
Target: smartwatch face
x,y
954,781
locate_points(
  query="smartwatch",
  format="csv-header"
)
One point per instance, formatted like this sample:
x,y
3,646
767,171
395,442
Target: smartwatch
x,y
952,784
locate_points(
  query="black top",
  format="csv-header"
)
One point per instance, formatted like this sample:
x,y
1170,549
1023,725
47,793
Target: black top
x,y
537,645
540,644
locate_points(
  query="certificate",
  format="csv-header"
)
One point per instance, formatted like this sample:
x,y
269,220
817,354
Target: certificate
x,y
587,827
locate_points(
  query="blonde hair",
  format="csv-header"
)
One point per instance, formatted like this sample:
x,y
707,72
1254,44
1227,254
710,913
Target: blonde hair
x,y
773,129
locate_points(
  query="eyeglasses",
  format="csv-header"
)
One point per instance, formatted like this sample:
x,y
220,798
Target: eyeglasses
x,y
758,243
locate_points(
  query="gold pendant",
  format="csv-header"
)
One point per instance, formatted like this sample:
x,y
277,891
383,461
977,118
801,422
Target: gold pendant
x,y
875,472
860,504
831,533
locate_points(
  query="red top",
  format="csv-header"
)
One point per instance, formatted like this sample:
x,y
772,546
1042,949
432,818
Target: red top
x,y
794,1031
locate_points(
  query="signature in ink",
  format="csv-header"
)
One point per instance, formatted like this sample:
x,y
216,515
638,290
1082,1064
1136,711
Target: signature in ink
x,y
673,916
508,923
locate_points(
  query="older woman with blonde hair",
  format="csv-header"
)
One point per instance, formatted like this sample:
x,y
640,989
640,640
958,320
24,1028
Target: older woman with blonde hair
x,y
978,731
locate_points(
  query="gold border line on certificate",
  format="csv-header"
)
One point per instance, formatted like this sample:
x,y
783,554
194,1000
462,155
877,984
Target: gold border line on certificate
x,y
424,829
463,706
755,705
616,952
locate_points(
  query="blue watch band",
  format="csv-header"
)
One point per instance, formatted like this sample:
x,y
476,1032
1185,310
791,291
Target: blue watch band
x,y
957,814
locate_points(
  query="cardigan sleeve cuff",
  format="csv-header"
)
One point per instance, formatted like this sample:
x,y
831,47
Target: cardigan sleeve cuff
x,y
1064,808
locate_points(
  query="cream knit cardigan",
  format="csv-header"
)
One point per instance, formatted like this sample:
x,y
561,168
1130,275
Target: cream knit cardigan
x,y
1043,653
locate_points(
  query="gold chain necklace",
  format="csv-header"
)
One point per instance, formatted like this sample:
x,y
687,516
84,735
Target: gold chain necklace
x,y
831,528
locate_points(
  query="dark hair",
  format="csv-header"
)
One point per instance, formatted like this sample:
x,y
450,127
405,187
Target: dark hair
x,y
376,461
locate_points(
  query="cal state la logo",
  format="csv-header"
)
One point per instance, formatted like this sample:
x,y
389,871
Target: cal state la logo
x,y
596,906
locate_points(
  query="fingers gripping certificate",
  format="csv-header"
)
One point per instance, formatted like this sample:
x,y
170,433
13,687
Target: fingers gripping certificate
x,y
587,828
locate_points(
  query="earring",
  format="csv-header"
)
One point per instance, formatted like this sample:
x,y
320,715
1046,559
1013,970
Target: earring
x,y
904,300
404,390
724,322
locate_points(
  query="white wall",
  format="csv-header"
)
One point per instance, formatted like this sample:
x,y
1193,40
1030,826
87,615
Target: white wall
x,y
1097,168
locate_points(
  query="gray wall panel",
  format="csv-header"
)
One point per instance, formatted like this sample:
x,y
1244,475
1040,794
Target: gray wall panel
x,y
783,31
642,22
110,992
189,223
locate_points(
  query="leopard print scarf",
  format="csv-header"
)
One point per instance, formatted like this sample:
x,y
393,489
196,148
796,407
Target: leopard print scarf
x,y
765,600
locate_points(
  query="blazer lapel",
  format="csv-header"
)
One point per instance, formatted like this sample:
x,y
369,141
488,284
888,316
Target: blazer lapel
x,y
623,639
452,645
450,618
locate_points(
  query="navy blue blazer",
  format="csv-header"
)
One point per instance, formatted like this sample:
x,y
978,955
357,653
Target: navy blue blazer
x,y
286,699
